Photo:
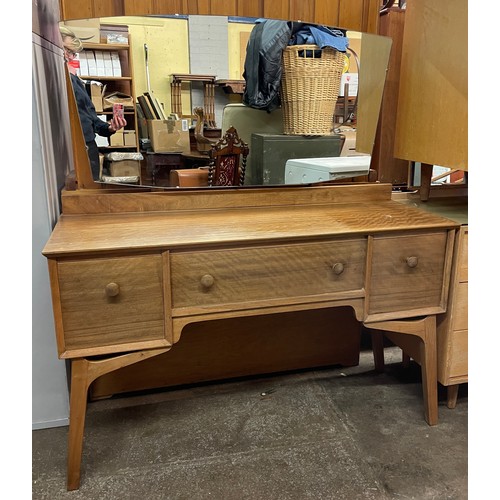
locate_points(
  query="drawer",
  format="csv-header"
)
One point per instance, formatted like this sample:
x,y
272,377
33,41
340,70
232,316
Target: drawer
x,y
463,256
407,272
460,309
236,276
458,364
110,302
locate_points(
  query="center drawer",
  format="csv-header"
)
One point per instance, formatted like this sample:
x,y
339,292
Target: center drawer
x,y
229,276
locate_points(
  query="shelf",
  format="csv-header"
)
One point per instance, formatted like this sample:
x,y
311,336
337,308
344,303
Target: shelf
x,y
106,78
106,46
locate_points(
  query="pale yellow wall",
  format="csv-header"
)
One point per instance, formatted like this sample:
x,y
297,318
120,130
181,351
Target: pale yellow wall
x,y
168,52
168,48
234,52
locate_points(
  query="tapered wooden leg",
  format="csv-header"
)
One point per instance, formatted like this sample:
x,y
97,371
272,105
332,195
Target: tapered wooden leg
x,y
83,373
405,360
428,349
378,350
452,396
77,411
417,338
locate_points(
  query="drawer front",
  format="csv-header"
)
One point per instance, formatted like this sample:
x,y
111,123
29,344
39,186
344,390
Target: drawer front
x,y
460,312
458,354
463,258
217,277
111,301
407,272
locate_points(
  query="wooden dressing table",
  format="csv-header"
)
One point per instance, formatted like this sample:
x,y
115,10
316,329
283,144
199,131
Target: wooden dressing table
x,y
130,270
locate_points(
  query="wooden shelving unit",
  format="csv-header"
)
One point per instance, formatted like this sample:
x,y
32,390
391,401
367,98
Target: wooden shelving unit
x,y
124,84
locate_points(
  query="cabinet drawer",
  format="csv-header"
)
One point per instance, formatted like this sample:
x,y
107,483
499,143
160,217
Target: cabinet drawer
x,y
458,365
217,277
460,309
463,257
407,272
111,301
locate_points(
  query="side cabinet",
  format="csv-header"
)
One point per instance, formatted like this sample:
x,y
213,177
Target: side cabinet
x,y
452,327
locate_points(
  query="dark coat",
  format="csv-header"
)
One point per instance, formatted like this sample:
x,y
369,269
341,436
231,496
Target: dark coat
x,y
263,67
91,124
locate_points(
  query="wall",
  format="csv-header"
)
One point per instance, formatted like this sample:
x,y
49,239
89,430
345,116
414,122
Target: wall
x,y
201,45
51,160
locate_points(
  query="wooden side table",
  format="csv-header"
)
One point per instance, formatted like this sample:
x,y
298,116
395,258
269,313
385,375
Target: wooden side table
x,y
159,165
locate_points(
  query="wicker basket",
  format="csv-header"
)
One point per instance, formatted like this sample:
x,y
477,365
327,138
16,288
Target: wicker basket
x,y
309,88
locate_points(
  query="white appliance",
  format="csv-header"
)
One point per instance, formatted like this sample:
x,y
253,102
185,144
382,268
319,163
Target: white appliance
x,y
307,170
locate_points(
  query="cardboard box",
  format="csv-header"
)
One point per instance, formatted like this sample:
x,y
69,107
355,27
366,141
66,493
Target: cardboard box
x,y
84,67
87,30
96,92
352,80
108,65
129,138
116,64
169,136
91,62
117,139
99,60
114,33
117,98
125,168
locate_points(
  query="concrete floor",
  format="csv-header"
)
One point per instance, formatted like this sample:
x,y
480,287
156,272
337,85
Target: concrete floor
x,y
336,433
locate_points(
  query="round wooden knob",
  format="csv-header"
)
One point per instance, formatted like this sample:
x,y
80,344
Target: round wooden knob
x,y
207,280
112,289
412,261
338,268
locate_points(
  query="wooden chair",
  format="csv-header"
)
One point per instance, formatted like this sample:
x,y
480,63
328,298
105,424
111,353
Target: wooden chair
x,y
228,159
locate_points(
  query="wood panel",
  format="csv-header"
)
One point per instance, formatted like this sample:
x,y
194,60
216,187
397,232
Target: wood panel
x,y
138,7
250,9
106,8
276,9
389,168
351,13
76,9
326,12
223,7
432,114
300,10
360,15
234,348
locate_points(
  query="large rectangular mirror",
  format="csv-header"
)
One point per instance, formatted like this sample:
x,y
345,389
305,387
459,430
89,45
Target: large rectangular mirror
x,y
191,69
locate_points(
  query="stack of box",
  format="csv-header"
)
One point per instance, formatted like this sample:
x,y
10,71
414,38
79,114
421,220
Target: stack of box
x,y
124,164
87,30
114,33
169,136
96,92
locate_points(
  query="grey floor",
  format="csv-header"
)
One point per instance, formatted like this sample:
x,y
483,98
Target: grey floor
x,y
336,433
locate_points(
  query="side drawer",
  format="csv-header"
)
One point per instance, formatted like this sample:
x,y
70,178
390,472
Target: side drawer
x,y
109,304
463,257
458,364
460,309
236,276
407,273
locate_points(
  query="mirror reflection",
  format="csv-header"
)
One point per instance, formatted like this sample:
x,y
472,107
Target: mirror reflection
x,y
194,95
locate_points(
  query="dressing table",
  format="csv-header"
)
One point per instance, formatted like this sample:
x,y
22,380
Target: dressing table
x,y
130,270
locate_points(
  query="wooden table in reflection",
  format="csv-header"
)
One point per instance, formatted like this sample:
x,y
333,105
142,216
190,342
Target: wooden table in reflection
x,y
159,165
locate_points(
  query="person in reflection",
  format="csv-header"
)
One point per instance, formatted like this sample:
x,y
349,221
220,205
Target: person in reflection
x,y
91,123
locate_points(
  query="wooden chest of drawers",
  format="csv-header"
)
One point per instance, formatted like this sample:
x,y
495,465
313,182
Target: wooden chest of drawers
x,y
452,327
